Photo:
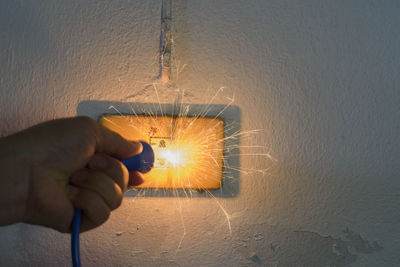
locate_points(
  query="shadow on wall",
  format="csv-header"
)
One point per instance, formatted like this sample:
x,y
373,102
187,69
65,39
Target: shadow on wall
x,y
229,114
270,246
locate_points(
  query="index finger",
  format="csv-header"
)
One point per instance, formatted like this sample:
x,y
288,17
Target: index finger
x,y
112,143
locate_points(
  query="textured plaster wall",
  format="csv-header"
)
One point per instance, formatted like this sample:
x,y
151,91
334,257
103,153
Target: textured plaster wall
x,y
320,77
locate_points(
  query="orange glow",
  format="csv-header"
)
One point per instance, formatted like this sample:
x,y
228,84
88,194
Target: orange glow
x,y
172,157
188,150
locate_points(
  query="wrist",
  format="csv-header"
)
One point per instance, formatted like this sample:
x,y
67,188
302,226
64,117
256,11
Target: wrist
x,y
14,181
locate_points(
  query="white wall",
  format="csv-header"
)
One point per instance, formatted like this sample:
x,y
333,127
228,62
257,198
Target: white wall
x,y
320,77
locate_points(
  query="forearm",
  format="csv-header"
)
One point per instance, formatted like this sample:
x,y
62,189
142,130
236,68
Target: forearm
x,y
14,181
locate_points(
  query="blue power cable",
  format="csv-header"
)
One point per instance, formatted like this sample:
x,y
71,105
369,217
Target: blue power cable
x,y
143,163
76,225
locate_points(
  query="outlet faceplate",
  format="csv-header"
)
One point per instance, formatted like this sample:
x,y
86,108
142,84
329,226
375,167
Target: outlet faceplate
x,y
189,151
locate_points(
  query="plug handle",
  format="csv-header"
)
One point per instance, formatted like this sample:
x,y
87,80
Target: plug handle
x,y
142,162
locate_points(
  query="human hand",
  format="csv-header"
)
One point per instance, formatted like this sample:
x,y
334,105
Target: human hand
x,y
50,168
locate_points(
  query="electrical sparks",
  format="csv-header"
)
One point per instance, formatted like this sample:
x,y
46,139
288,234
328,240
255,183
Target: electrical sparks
x,y
198,150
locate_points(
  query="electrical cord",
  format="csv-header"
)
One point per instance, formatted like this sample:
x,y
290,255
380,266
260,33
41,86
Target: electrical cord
x,y
76,225
143,163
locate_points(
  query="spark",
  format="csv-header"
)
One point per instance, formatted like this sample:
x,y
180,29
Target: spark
x,y
183,226
158,98
232,152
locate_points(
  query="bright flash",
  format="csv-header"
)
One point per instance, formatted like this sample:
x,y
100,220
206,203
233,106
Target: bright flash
x,y
189,157
167,154
169,157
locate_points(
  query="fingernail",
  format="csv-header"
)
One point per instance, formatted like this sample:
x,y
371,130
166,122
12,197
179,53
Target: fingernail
x,y
135,147
129,149
98,162
79,177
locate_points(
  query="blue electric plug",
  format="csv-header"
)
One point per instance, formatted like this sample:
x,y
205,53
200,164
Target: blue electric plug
x,y
142,162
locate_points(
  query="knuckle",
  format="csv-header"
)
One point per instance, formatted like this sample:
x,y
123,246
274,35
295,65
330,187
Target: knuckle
x,y
117,201
124,174
119,174
86,122
106,216
101,217
84,119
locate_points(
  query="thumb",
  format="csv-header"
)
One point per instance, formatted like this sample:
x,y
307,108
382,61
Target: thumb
x,y
112,143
